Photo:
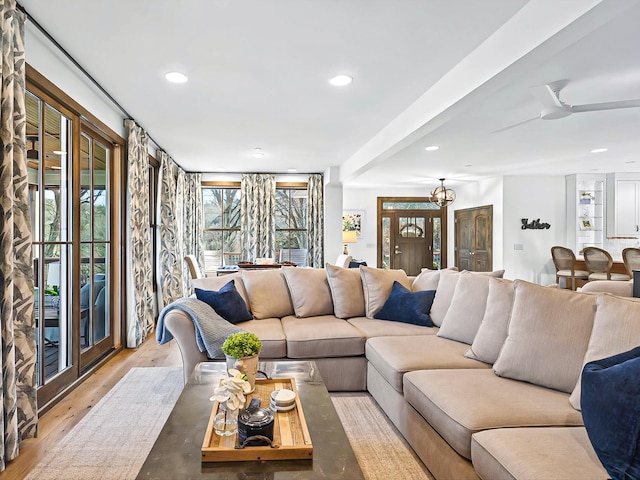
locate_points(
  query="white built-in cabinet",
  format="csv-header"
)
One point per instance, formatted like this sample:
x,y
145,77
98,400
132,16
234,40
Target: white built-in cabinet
x,y
585,210
623,205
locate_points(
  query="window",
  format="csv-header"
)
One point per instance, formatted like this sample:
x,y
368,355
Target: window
x,y
291,225
221,237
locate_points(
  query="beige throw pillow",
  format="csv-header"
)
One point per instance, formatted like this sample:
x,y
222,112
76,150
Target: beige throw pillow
x,y
616,329
444,293
548,336
426,280
268,293
377,284
495,323
346,291
310,292
468,304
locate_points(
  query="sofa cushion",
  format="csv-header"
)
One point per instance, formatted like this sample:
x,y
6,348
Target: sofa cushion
x,y
531,453
616,329
346,291
322,336
459,403
372,327
495,322
406,306
227,302
392,357
548,336
444,293
377,284
310,292
216,283
268,293
468,304
270,333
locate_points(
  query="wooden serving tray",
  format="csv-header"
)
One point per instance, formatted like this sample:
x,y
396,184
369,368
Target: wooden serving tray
x,y
290,432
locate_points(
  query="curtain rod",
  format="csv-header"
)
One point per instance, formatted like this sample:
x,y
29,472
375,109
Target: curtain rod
x,y
84,71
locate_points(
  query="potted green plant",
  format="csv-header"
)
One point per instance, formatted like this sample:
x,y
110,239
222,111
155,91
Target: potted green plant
x,y
241,350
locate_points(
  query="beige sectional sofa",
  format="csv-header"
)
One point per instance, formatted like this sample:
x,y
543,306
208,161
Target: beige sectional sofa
x,y
491,391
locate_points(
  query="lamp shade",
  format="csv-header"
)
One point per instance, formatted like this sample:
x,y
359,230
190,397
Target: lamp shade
x,y
349,236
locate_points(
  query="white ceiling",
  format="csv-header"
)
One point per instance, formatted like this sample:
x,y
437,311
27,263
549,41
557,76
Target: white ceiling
x,y
445,72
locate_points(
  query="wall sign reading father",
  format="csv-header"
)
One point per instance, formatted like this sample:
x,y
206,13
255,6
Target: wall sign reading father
x,y
534,225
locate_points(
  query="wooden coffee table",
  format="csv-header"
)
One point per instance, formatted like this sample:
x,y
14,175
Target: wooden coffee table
x,y
176,453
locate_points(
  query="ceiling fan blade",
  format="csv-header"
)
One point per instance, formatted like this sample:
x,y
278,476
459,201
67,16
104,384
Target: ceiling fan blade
x,y
594,107
546,96
513,125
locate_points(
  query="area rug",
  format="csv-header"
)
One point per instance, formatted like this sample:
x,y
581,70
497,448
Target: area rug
x,y
113,440
380,449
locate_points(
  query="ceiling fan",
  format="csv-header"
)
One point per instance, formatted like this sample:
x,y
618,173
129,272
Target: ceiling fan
x,y
553,108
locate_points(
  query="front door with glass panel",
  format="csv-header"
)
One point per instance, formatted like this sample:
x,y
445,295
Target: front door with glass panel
x,y
411,234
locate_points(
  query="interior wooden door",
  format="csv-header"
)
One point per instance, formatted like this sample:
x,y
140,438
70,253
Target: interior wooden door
x,y
474,238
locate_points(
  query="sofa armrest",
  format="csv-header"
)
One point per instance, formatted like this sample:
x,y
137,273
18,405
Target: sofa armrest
x,y
184,332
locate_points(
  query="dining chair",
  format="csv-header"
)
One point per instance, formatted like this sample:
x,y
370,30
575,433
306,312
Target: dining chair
x,y
565,262
631,259
194,269
599,263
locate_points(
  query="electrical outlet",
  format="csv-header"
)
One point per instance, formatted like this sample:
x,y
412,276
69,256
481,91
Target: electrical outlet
x,y
518,246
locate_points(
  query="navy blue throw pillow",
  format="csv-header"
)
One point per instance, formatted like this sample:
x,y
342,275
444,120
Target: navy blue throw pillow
x,y
227,302
610,402
406,306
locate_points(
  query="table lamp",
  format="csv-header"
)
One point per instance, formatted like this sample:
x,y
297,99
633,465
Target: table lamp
x,y
348,236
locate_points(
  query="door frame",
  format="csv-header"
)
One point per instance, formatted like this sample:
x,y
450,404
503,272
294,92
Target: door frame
x,y
380,211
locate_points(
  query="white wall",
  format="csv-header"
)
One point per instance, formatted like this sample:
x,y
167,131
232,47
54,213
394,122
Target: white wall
x,y
533,198
56,68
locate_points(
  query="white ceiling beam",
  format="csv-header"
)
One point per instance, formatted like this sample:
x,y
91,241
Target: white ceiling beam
x,y
541,29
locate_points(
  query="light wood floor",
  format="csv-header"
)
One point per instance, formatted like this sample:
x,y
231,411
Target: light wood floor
x,y
60,419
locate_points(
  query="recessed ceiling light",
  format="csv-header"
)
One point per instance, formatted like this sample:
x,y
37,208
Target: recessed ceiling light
x,y
469,165
292,170
176,77
257,152
599,150
431,148
341,80
594,169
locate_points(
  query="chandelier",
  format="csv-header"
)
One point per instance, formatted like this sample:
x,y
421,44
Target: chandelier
x,y
442,196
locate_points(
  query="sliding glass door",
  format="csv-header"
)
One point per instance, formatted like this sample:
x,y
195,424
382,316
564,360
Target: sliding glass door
x,y
70,167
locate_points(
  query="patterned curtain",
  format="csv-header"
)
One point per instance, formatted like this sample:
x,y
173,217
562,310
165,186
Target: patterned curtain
x,y
257,215
315,221
171,257
140,321
19,418
193,223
